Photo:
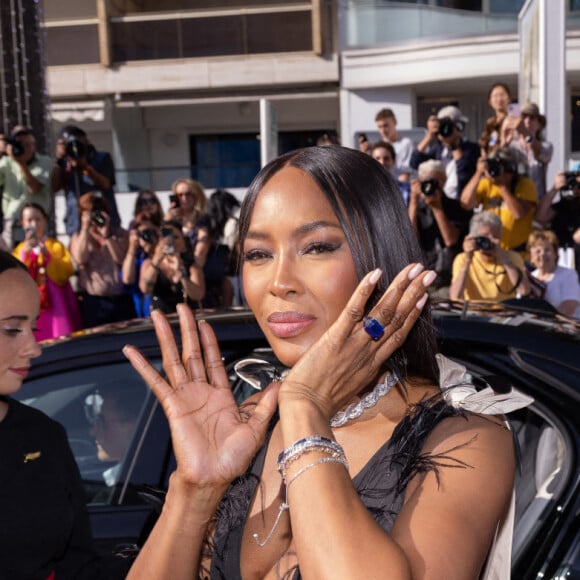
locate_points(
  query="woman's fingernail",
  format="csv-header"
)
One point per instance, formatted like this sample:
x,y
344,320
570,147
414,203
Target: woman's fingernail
x,y
429,278
374,277
422,301
415,271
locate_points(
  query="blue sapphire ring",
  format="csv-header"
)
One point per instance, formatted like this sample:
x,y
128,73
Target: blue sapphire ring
x,y
373,327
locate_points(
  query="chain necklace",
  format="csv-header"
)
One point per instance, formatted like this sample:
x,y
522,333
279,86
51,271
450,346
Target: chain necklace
x,y
355,410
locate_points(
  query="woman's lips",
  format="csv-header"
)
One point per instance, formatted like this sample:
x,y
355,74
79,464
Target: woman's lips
x,y
289,324
22,372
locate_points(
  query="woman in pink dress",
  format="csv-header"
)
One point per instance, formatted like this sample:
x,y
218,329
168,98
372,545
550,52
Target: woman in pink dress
x,y
50,265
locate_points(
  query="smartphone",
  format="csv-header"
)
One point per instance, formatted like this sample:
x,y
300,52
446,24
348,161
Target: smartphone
x,y
514,109
174,200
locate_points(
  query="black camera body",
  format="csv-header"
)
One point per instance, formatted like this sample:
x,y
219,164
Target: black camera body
x,y
75,149
429,187
99,209
174,201
572,183
446,127
17,147
494,167
483,243
147,236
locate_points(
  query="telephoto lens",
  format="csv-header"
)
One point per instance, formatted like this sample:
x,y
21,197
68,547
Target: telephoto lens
x,y
446,127
494,167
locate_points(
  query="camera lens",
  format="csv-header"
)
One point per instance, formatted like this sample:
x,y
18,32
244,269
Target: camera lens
x,y
483,243
75,149
446,127
429,187
98,218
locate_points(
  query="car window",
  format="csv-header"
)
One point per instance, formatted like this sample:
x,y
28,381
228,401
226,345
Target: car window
x,y
101,408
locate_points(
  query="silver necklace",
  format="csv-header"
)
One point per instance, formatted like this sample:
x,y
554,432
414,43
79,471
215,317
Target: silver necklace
x,y
260,373
355,410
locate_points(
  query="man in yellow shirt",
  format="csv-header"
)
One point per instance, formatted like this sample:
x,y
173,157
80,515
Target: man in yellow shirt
x,y
498,187
484,270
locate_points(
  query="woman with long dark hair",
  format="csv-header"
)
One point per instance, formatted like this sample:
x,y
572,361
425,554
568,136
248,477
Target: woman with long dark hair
x,y
354,462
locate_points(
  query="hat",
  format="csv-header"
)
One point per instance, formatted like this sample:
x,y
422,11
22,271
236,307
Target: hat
x,y
453,113
72,131
21,130
532,110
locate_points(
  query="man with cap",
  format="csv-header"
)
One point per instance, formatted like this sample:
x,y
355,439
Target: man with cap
x,y
24,178
80,169
525,134
457,153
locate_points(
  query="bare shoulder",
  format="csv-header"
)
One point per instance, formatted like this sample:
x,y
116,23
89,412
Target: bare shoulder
x,y
462,501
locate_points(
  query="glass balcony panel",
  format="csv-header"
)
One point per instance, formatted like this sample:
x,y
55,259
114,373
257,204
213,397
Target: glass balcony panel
x,y
212,36
72,45
279,32
144,40
371,23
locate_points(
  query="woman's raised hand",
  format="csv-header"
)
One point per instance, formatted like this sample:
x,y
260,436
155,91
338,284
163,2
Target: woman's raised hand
x,y
213,442
346,359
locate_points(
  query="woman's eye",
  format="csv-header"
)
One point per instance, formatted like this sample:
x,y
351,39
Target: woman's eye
x,y
255,255
10,331
320,248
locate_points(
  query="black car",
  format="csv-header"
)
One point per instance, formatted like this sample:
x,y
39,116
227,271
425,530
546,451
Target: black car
x,y
535,353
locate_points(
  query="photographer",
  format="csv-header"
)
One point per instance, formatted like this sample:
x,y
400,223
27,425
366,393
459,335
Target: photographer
x,y
524,133
439,222
559,210
459,156
81,169
497,185
99,249
171,275
143,238
24,178
485,271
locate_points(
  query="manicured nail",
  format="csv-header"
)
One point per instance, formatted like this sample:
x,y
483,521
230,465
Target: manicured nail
x,y
375,275
415,271
422,301
429,278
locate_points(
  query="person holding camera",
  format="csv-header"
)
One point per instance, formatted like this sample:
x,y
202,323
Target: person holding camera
x,y
559,209
24,178
50,265
188,205
143,238
439,222
459,155
81,169
484,270
385,154
499,188
171,275
524,133
98,249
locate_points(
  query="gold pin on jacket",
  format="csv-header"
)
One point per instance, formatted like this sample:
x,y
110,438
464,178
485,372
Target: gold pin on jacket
x,y
32,456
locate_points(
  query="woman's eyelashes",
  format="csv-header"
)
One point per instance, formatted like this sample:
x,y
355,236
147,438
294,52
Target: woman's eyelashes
x,y
312,249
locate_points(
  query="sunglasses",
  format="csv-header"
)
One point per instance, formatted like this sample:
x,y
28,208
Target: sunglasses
x,y
147,200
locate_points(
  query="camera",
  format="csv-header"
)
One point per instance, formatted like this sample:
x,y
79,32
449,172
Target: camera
x,y
572,184
168,233
429,187
483,243
494,167
174,201
446,127
74,148
147,235
99,209
17,147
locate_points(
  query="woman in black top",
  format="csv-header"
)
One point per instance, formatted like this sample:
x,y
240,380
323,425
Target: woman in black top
x,y
44,530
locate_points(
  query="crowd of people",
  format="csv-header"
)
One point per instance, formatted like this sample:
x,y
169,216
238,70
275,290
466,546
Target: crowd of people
x,y
452,188
486,219
109,273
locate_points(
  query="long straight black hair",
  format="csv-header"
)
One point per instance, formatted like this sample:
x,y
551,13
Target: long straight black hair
x,y
373,216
